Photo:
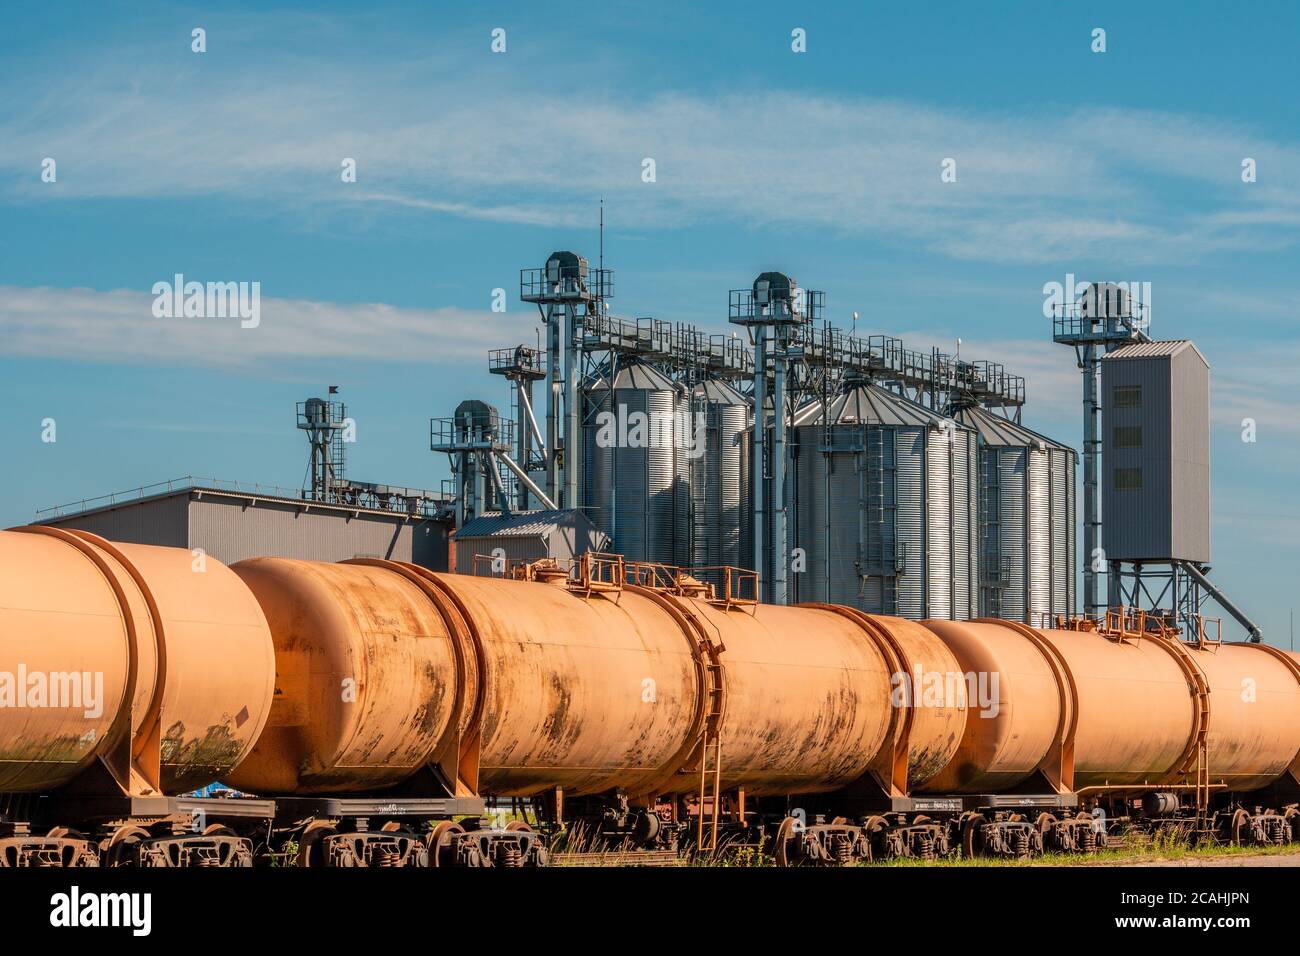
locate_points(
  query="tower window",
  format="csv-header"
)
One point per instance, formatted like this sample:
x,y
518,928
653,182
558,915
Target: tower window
x,y
1128,479
1127,396
1127,436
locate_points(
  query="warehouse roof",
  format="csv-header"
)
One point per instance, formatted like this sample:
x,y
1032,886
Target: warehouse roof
x,y
524,524
1153,350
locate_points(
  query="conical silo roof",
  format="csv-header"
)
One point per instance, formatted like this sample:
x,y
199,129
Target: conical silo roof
x,y
999,432
717,392
642,377
868,404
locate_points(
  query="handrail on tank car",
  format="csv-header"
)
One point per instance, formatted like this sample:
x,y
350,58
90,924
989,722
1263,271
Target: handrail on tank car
x,y
652,574
1123,622
598,572
739,588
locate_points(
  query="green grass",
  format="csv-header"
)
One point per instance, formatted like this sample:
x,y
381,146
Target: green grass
x,y
1157,851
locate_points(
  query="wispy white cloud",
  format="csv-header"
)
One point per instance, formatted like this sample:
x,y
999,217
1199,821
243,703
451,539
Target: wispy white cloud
x,y
443,138
119,326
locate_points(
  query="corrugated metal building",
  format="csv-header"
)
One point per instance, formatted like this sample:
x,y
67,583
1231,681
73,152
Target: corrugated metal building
x,y
1156,452
234,525
523,537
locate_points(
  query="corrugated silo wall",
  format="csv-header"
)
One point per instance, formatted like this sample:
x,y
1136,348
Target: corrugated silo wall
x,y
940,572
910,522
715,489
748,543
1034,530
1013,531
641,494
683,440
1039,529
1063,533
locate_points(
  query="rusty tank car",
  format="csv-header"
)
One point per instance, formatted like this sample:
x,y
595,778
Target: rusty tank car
x,y
119,639
378,714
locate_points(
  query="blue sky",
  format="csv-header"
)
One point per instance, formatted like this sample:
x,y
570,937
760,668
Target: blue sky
x,y
225,166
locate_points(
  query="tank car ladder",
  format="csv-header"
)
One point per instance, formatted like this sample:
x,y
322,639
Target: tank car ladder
x,y
665,583
711,761
710,792
1200,760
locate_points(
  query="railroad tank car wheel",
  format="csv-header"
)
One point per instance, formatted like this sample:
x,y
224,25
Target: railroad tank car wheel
x,y
781,841
310,848
1240,827
440,844
876,828
971,842
120,848
516,825
221,830
875,824
646,827
1044,824
66,833
1291,821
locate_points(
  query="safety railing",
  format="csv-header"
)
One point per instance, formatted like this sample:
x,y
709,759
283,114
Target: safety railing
x,y
426,503
736,587
598,572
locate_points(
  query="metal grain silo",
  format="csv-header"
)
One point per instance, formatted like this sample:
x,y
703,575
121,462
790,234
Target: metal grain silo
x,y
640,486
885,506
716,459
1026,520
593,402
